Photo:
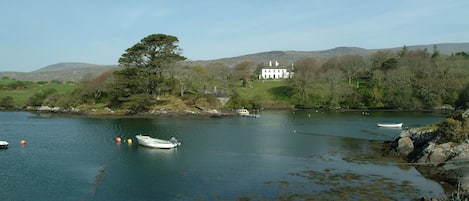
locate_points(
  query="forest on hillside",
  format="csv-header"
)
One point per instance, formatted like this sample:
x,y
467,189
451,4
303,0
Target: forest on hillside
x,y
405,79
152,69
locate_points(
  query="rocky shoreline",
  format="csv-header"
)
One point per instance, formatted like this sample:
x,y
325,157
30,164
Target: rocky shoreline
x,y
442,160
110,113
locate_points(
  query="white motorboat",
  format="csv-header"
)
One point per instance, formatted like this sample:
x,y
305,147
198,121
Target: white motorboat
x,y
242,112
148,141
390,125
3,144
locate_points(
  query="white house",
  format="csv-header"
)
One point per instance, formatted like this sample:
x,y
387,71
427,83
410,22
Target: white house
x,y
275,72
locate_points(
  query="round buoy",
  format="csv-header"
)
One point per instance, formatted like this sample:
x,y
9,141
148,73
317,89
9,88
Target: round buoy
x,y
129,141
118,139
22,142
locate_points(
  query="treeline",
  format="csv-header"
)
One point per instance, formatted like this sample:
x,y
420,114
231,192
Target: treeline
x,y
405,79
151,69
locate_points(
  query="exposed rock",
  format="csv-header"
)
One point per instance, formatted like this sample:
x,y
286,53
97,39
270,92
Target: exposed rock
x,y
419,137
189,112
435,154
405,146
450,160
47,108
213,111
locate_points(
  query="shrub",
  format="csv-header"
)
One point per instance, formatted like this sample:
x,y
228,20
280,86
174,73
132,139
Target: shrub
x,y
451,130
6,102
37,99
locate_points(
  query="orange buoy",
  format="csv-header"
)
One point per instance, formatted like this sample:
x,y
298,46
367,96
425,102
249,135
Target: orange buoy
x,y
118,139
129,141
22,142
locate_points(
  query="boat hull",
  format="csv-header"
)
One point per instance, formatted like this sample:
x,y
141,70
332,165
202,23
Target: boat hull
x,y
147,141
3,144
387,125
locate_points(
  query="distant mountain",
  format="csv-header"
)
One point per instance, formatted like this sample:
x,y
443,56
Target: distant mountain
x,y
69,66
75,72
284,57
287,57
79,71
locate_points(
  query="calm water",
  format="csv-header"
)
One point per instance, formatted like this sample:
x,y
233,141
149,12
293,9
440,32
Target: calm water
x,y
281,153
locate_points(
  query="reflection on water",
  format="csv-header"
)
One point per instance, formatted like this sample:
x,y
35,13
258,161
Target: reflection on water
x,y
283,154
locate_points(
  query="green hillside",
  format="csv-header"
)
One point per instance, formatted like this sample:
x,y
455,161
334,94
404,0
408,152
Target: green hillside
x,y
269,93
21,91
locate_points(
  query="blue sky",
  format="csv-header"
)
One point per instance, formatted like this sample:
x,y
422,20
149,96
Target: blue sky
x,y
35,34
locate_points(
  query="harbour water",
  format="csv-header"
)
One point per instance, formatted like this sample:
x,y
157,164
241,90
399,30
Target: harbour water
x,y
284,154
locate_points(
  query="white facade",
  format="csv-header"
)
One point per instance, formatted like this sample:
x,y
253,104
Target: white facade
x,y
275,72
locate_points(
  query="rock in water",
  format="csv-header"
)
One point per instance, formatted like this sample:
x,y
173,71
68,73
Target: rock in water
x,y
405,146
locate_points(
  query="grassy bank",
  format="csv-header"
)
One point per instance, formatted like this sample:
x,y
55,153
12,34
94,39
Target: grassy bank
x,y
271,93
21,91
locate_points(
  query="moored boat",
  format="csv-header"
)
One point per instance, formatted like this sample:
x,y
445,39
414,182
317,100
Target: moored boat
x,y
390,125
148,141
3,144
252,116
242,112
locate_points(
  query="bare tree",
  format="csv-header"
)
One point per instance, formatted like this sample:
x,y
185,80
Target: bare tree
x,y
219,73
96,87
378,58
305,71
352,65
333,78
243,71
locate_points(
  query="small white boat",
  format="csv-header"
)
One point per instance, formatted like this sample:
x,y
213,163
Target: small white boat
x,y
242,112
3,144
252,116
148,141
390,125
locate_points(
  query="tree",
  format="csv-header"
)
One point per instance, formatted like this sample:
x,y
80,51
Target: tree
x,y
153,55
398,92
463,99
403,51
306,70
380,57
6,102
418,61
128,81
39,98
389,64
352,65
155,51
436,52
147,68
97,87
377,89
219,73
199,77
243,71
333,78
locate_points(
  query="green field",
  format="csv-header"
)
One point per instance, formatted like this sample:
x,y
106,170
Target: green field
x,y
26,89
271,92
